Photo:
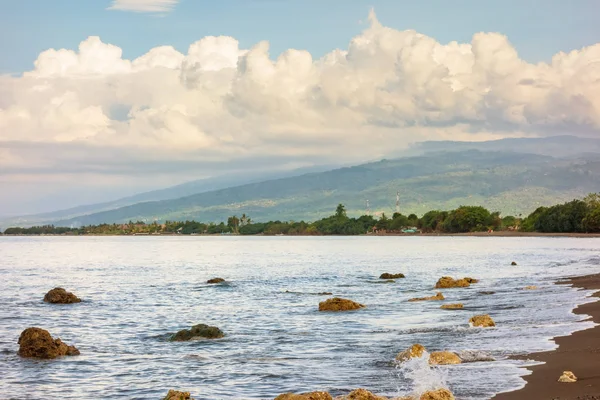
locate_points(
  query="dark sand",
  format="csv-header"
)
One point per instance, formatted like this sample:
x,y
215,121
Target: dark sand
x,y
579,353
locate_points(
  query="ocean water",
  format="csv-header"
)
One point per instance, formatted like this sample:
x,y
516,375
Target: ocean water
x,y
135,290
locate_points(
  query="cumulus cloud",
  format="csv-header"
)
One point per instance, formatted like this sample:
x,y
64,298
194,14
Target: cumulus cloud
x,y
220,106
152,6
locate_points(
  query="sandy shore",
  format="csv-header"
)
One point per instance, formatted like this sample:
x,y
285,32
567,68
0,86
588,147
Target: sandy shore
x,y
579,353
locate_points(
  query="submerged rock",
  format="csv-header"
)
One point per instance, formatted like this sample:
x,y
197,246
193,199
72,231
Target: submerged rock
x,y
446,282
387,275
567,377
513,263
339,304
38,343
305,396
468,356
61,296
455,306
530,288
175,395
215,280
486,292
200,331
414,351
438,296
440,394
484,321
444,358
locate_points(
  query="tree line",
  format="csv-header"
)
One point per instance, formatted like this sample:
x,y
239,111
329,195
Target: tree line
x,y
577,216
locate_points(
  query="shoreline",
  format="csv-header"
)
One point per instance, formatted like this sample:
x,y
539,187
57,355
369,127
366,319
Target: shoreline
x,y
577,352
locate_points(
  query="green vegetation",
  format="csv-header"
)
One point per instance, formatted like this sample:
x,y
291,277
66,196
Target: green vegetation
x,y
576,216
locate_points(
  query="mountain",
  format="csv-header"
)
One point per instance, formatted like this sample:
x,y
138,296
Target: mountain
x,y
510,182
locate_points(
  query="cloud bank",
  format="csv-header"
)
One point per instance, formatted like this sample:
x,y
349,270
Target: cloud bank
x,y
220,107
151,6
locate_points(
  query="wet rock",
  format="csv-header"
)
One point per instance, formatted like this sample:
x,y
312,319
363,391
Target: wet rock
x,y
200,331
414,351
324,294
387,275
484,321
452,306
567,377
305,396
438,296
37,343
175,395
513,263
215,280
361,394
440,394
339,304
60,296
487,292
530,288
444,358
468,356
446,282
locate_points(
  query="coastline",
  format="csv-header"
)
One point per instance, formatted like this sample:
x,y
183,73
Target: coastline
x,y
577,352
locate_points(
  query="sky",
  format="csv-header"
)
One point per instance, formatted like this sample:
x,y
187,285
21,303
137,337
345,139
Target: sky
x,y
105,98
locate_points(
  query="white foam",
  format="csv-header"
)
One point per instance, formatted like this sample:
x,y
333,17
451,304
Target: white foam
x,y
422,376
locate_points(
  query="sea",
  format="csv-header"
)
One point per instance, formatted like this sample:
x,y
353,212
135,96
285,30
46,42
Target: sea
x,y
136,291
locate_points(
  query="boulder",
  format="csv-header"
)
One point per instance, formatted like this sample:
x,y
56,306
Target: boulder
x,y
37,343
339,304
215,280
305,396
446,282
60,296
438,296
444,358
387,275
513,263
567,377
362,394
484,321
414,351
452,306
200,331
175,395
440,394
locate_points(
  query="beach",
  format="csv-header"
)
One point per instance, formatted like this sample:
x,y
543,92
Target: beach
x,y
578,352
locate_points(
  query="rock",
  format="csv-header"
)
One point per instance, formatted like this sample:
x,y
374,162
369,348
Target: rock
x,y
471,280
60,296
513,263
175,395
37,343
452,306
487,292
200,331
387,275
215,280
414,351
438,296
485,321
530,288
324,294
446,282
361,394
467,356
443,358
440,394
339,304
567,377
305,396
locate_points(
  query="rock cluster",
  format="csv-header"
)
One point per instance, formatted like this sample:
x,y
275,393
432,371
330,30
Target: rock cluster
x,y
339,304
60,296
484,321
387,275
305,396
215,280
38,343
567,377
200,331
446,282
455,306
175,395
438,296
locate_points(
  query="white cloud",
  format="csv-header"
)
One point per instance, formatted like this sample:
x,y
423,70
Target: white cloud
x,y
152,6
220,106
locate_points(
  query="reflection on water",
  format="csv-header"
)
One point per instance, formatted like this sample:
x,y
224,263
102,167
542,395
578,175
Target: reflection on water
x,y
137,289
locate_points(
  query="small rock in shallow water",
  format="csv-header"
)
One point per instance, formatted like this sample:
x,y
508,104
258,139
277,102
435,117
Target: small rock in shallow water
x,y
387,275
487,292
414,351
530,288
484,321
567,377
446,282
513,263
438,296
474,356
200,331
175,395
215,280
339,304
305,396
452,306
60,296
443,358
440,394
37,343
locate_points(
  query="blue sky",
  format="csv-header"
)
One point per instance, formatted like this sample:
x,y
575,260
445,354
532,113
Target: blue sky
x,y
538,29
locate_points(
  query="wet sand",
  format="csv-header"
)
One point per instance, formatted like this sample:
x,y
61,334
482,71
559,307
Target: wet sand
x,y
579,353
